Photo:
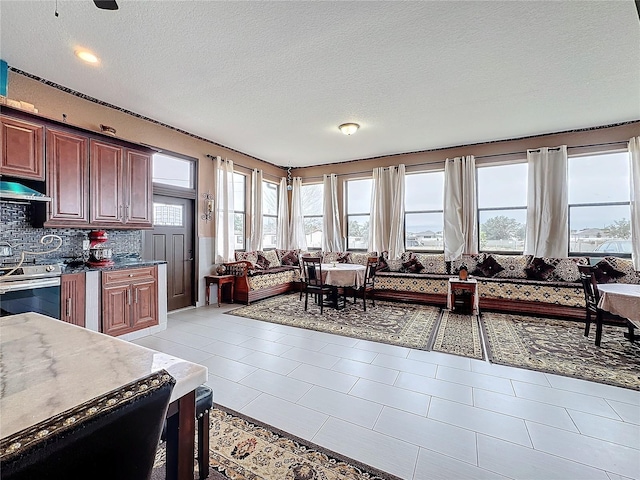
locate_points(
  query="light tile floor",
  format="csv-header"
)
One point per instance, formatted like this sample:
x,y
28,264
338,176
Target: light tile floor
x,y
416,414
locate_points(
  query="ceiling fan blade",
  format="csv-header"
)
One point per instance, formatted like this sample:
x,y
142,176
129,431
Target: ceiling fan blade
x,y
106,4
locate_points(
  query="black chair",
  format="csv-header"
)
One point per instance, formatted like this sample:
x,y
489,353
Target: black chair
x,y
314,281
592,298
112,436
369,283
204,403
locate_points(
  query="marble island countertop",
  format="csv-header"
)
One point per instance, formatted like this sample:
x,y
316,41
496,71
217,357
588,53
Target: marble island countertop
x,y
48,366
118,264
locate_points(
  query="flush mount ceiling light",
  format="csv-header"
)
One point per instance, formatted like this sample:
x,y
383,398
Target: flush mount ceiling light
x,y
349,128
86,56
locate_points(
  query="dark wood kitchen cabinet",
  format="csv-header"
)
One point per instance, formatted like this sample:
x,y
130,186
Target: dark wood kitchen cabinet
x,y
22,149
120,186
129,300
67,178
73,293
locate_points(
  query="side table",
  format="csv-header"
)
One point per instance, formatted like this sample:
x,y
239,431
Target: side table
x,y
457,288
219,280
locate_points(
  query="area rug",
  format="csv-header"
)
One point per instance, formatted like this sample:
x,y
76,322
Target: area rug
x,y
559,346
242,448
404,324
458,334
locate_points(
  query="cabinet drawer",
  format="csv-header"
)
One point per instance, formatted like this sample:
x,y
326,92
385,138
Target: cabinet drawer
x,y
128,275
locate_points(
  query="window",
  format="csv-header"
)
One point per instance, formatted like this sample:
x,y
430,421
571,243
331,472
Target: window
x,y
168,215
424,216
311,196
239,210
599,204
269,214
502,207
173,171
358,194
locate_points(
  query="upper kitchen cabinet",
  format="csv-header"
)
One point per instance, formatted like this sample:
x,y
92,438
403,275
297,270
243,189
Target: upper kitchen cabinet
x,y
120,186
22,149
67,178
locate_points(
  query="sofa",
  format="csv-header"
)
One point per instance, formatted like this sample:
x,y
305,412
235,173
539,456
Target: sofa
x,y
262,274
514,283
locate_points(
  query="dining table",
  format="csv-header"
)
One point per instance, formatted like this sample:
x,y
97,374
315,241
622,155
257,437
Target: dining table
x,y
49,367
622,299
342,275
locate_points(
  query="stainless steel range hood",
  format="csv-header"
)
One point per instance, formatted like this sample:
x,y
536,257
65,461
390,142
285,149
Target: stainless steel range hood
x,y
14,191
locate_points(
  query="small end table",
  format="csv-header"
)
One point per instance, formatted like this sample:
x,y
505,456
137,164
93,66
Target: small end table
x,y
457,286
219,280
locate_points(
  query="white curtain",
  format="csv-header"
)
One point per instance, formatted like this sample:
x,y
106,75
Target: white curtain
x,y
547,230
386,228
282,232
255,241
460,213
634,158
297,238
331,234
225,240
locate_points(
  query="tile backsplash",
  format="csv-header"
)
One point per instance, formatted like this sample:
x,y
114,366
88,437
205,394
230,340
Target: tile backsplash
x,y
17,230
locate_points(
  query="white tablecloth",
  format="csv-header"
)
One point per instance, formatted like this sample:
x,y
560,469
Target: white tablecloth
x,y
343,274
621,299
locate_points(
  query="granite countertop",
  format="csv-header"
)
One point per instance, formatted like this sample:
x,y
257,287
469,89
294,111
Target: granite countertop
x,y
118,264
49,366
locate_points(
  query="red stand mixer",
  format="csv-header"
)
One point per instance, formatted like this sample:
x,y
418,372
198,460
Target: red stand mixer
x,y
99,256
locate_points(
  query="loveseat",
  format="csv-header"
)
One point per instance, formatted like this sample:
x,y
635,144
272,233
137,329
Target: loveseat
x,y
262,274
514,283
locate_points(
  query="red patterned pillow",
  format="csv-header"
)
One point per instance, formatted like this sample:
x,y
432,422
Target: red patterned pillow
x,y
488,268
538,269
290,258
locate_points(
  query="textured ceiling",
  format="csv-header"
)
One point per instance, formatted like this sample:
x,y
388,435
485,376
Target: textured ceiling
x,y
275,79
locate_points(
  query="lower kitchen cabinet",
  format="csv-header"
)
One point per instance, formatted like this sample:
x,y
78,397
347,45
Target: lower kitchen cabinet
x,y
72,293
129,300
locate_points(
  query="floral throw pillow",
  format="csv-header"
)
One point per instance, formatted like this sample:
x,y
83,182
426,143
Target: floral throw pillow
x,y
412,266
248,256
514,265
605,272
433,263
262,263
339,257
272,258
290,258
469,260
488,268
566,268
624,265
538,269
361,258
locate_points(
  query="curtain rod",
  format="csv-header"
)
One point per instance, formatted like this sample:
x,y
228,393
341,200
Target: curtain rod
x,y
486,156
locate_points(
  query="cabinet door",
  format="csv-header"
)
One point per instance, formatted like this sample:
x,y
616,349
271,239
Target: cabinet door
x,y
73,295
106,165
116,308
145,304
22,149
68,178
139,189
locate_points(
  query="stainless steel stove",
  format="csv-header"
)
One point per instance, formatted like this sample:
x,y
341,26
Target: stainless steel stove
x,y
30,288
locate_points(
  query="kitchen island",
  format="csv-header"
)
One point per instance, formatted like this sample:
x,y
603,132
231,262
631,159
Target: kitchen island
x,y
49,367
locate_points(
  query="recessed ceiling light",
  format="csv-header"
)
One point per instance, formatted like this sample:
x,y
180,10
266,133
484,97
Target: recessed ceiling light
x,y
86,56
349,128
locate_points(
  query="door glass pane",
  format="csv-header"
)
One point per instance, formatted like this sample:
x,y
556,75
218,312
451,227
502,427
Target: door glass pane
x,y
424,191
269,225
603,229
502,230
599,178
269,198
358,229
313,231
311,196
359,196
172,171
502,186
169,215
424,231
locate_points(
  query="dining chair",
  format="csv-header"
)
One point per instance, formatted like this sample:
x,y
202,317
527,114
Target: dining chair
x,y
369,282
592,298
314,281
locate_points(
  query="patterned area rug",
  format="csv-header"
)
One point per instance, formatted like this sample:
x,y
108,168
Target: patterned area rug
x,y
244,449
458,334
559,346
404,324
